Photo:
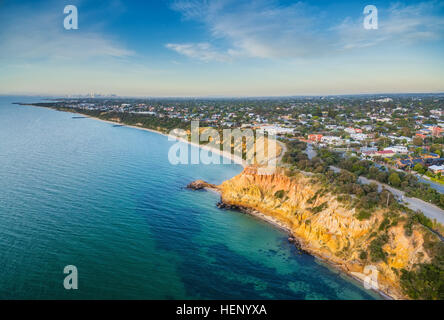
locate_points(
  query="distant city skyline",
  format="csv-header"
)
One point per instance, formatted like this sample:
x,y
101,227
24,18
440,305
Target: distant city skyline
x,y
225,48
215,97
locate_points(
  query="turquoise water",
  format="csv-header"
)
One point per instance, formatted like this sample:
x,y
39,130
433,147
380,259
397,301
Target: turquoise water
x,y
105,199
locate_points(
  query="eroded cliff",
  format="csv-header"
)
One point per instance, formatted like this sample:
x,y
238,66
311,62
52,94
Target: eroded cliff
x,y
329,229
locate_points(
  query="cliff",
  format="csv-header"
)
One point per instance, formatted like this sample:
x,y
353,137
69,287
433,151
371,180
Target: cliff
x,y
329,229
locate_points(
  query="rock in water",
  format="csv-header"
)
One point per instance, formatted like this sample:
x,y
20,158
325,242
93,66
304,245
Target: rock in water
x,y
200,184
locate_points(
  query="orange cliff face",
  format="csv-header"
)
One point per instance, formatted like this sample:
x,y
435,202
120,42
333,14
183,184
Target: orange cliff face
x,y
326,227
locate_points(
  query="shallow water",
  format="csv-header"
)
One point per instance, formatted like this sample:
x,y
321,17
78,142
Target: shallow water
x,y
105,199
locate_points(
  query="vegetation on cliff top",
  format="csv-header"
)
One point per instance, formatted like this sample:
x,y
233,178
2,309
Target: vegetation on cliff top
x,y
423,280
400,180
427,280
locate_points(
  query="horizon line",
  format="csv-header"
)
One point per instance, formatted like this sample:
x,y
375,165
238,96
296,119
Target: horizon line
x,y
115,96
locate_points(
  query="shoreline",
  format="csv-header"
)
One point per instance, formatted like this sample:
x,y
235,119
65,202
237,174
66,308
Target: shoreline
x,y
300,245
294,240
250,211
233,158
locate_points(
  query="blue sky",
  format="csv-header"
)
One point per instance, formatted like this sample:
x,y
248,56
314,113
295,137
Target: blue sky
x,y
221,48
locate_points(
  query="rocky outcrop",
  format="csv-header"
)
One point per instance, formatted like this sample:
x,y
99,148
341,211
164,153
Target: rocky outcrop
x,y
326,227
200,184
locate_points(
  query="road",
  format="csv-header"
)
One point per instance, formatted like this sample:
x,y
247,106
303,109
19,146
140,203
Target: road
x,y
438,187
283,152
429,210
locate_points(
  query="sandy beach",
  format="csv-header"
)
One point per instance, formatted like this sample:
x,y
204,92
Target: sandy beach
x,y
235,159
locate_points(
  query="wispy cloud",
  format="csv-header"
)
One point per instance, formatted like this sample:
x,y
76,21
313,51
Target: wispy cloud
x,y
201,51
260,29
267,29
40,35
398,24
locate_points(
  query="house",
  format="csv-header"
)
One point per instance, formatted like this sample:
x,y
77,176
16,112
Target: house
x,y
352,130
384,100
436,131
358,136
315,137
331,140
275,130
437,113
407,139
436,169
383,154
368,149
430,156
398,149
409,163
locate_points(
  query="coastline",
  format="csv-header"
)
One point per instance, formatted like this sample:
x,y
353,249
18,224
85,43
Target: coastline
x,y
296,241
259,215
235,159
302,246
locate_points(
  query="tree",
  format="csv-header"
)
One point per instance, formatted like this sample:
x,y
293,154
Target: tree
x,y
406,132
436,148
419,168
394,179
429,174
417,141
418,151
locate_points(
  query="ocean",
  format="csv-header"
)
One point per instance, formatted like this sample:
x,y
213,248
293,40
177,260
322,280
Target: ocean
x,y
82,192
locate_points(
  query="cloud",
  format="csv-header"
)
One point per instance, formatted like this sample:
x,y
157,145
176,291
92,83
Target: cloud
x,y
269,30
201,51
398,24
259,29
30,35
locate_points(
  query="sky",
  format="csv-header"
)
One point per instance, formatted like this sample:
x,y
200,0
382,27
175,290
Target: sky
x,y
236,48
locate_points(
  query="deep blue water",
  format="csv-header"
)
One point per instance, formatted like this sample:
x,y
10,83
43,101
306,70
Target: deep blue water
x,y
105,199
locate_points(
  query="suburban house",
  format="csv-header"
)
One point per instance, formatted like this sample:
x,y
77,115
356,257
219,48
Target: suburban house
x,y
436,169
315,137
398,149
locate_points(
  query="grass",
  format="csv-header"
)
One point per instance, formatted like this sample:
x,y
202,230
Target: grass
x,y
440,181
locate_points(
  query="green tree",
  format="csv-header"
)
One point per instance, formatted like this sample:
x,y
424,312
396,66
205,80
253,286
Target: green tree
x,y
417,141
418,151
394,179
418,168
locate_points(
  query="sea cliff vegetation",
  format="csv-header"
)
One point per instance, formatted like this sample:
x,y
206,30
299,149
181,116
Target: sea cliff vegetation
x,y
333,225
331,215
321,164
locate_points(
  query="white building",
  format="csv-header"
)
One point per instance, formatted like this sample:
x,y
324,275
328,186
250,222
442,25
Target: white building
x,y
385,100
437,113
358,136
398,149
331,140
350,130
275,130
436,169
409,140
